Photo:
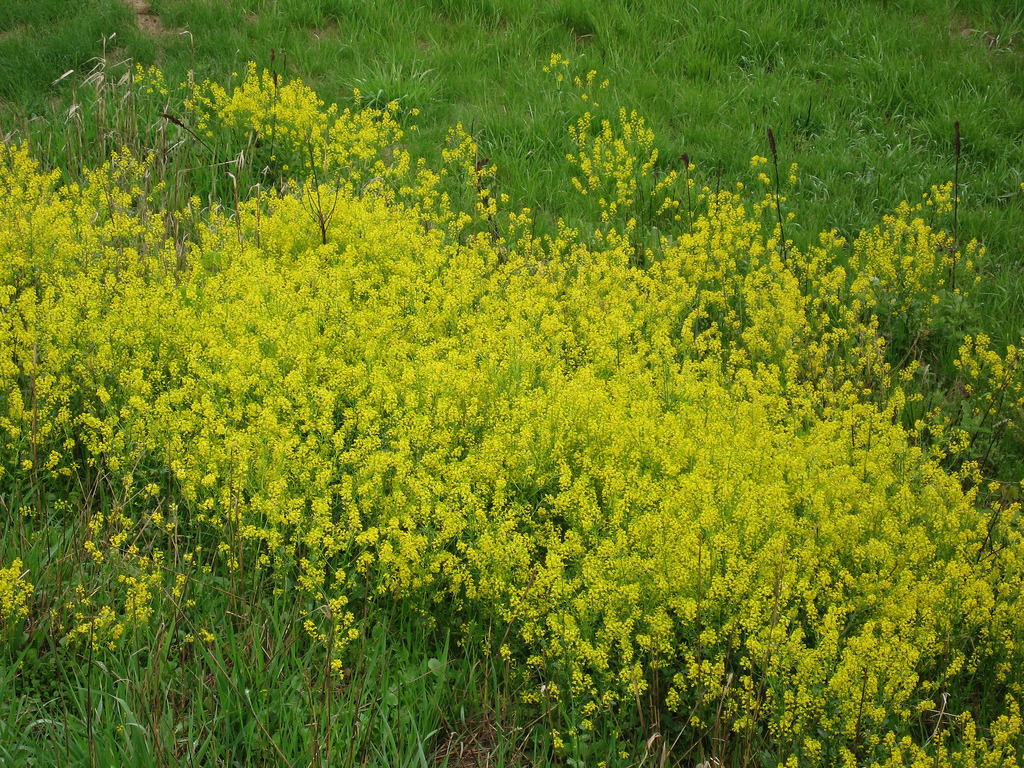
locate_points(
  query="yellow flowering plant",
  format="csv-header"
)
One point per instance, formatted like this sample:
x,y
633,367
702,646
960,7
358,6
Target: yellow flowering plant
x,y
14,594
678,495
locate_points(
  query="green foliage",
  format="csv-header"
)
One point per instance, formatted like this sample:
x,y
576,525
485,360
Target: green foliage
x,y
40,42
317,453
349,422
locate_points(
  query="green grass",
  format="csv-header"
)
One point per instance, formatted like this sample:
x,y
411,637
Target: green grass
x,y
39,42
257,694
862,95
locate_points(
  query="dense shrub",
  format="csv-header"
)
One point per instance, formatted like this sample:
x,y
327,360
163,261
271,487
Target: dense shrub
x,y
676,493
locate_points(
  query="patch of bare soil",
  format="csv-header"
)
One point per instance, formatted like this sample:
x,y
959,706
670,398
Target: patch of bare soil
x,y
475,747
464,752
963,28
147,20
10,34
330,31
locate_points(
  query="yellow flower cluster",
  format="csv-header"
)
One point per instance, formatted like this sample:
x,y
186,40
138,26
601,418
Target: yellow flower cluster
x,y
14,594
676,489
617,164
904,266
996,379
286,128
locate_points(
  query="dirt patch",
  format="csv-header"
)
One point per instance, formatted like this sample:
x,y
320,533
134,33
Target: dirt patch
x,y
18,31
147,20
466,751
329,31
963,29
477,744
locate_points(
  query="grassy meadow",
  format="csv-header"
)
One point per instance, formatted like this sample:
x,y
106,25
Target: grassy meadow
x,y
504,383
